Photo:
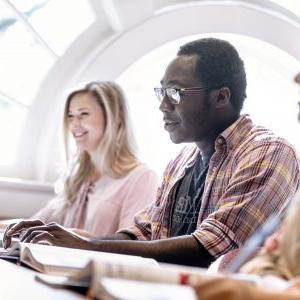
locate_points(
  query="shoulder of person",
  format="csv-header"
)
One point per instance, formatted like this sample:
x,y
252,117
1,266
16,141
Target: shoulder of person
x,y
141,170
186,155
261,136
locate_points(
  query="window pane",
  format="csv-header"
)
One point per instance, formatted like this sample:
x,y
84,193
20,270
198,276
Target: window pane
x,y
6,16
272,94
59,22
292,5
12,118
23,62
154,144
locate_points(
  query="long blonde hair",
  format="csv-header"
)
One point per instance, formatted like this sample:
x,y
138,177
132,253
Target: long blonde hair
x,y
116,151
285,260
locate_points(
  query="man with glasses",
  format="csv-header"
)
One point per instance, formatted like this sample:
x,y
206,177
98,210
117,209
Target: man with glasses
x,y
277,263
218,190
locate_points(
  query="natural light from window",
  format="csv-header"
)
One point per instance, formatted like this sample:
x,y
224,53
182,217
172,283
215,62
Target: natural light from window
x,y
25,61
59,22
292,5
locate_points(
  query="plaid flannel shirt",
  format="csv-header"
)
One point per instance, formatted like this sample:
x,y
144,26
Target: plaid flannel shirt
x,y
252,174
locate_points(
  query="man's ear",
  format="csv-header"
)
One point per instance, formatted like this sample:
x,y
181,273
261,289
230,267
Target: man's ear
x,y
223,97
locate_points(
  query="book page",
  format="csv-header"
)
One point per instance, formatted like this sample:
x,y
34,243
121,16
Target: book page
x,y
112,288
4,251
61,281
14,240
13,251
137,290
162,273
61,260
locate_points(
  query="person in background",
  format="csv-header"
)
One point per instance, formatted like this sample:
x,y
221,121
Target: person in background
x,y
106,184
279,257
224,288
220,188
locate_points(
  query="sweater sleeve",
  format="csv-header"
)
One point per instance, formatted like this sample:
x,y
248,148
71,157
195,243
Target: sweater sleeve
x,y
50,213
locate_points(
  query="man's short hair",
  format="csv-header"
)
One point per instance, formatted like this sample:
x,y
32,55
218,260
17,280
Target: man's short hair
x,y
219,65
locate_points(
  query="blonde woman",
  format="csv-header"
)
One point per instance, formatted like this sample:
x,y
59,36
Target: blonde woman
x,y
224,288
107,183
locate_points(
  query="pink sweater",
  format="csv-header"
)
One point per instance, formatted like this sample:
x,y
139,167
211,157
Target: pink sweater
x,y
107,205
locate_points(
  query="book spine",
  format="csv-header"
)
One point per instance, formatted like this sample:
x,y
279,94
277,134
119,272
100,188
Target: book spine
x,y
147,273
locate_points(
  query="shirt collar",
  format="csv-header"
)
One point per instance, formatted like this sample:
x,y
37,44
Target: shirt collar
x,y
235,133
229,138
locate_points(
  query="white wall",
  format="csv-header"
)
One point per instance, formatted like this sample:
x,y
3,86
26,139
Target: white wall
x,y
21,199
104,53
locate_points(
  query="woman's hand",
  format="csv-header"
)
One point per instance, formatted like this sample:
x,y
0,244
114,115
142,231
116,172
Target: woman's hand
x,y
35,231
294,287
271,244
229,289
224,288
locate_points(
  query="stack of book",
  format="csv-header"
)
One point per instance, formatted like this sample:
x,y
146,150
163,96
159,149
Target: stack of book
x,y
107,275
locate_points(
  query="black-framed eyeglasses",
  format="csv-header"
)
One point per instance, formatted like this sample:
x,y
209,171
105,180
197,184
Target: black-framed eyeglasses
x,y
174,94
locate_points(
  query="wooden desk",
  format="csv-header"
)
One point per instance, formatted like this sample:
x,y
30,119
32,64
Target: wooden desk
x,y
17,283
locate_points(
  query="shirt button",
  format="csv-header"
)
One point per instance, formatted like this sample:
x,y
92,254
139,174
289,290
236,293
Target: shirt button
x,y
220,141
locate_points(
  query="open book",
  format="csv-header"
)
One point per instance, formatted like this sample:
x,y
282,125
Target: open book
x,y
107,275
124,289
131,280
128,279
65,261
100,271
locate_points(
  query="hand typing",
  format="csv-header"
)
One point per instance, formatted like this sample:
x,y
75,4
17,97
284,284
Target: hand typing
x,y
35,231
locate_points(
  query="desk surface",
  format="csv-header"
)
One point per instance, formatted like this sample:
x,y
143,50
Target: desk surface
x,y
19,283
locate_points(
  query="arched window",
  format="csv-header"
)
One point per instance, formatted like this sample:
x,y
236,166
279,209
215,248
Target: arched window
x,y
42,59
33,36
43,53
272,94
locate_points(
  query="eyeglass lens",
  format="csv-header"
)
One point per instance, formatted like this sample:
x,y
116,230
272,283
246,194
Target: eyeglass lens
x,y
172,94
